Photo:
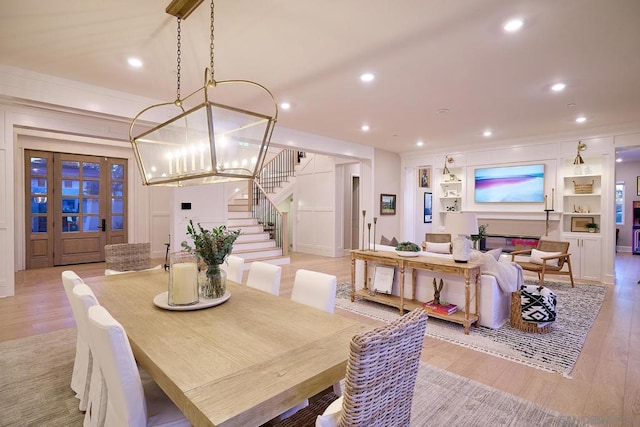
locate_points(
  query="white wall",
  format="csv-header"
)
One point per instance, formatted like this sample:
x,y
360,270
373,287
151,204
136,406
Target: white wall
x,y
386,180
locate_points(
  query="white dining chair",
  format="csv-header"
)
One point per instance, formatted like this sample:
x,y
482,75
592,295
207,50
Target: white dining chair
x,y
315,289
234,267
82,297
130,400
265,277
81,374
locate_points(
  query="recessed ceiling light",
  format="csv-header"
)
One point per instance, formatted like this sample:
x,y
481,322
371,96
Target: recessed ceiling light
x,y
365,128
367,77
420,143
285,105
135,62
513,25
487,133
443,111
571,105
581,119
558,87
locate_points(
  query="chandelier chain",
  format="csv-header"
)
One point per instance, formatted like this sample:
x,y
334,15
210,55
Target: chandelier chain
x,y
179,52
211,46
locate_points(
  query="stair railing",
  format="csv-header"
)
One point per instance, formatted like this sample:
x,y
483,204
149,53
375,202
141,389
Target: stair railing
x,y
270,217
277,170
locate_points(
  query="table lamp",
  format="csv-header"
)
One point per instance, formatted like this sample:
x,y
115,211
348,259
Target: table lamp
x,y
462,224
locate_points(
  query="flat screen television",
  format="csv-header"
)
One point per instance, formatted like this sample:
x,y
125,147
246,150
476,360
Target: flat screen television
x,y
510,184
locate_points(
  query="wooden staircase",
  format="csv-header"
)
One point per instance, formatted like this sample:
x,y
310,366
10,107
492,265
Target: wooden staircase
x,y
255,242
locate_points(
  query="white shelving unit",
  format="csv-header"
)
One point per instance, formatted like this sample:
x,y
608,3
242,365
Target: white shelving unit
x,y
450,196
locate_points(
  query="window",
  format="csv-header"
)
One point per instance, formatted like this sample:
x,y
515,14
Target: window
x,y
620,203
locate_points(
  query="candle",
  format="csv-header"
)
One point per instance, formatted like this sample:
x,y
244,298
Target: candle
x,y
170,165
552,197
201,156
545,202
184,280
193,159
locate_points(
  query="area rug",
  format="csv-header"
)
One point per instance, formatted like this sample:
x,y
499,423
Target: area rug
x,y
35,373
556,351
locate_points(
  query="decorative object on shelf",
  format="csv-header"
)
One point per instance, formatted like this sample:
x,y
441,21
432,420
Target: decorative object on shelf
x,y
581,209
428,209
451,193
375,221
212,248
436,291
203,141
579,223
579,188
463,224
445,169
480,237
387,204
183,279
592,227
424,177
579,161
364,214
408,249
369,236
383,279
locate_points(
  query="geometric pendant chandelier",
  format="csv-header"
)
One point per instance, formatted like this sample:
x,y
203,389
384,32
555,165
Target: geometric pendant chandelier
x,y
202,141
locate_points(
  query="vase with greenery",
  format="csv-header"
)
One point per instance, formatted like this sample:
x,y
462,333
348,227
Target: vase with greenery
x,y
482,234
212,248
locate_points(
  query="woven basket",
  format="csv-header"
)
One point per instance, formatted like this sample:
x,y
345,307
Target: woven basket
x,y
583,188
516,317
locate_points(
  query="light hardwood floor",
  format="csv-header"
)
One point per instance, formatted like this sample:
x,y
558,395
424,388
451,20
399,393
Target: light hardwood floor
x,y
605,384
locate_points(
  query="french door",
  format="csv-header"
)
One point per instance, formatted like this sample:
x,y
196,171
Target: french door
x,y
75,204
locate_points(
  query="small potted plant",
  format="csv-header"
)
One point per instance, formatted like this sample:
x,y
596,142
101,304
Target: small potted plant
x,y
592,227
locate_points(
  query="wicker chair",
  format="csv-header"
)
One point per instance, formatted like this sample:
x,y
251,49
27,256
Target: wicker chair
x,y
127,256
546,266
381,375
436,238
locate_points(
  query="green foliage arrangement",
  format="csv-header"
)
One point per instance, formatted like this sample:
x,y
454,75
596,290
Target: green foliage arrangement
x,y
407,247
212,246
482,233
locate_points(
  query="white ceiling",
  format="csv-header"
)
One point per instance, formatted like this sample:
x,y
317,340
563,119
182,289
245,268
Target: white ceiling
x,y
427,55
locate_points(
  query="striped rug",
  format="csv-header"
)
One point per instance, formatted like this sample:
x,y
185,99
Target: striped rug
x,y
556,351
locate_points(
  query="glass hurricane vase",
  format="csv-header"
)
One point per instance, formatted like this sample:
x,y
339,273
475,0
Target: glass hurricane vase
x,y
212,281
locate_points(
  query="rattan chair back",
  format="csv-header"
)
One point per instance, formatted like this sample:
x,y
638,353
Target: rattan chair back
x,y
381,373
128,256
437,237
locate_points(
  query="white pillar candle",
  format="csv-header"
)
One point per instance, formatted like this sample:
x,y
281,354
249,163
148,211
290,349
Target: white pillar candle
x,y
184,281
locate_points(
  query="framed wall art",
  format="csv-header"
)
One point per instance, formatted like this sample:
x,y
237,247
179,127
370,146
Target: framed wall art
x,y
579,223
424,177
387,204
428,212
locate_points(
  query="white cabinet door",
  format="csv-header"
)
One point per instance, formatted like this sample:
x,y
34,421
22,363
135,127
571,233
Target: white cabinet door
x,y
586,256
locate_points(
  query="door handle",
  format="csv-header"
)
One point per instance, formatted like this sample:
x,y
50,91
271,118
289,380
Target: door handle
x,y
103,227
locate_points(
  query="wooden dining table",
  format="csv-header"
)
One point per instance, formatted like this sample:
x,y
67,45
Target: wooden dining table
x,y
240,363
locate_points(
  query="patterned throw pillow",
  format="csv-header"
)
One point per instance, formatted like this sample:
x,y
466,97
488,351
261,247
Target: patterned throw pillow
x,y
384,241
538,304
394,242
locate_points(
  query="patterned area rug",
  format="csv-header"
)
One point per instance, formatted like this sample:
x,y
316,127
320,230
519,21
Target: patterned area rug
x,y
556,351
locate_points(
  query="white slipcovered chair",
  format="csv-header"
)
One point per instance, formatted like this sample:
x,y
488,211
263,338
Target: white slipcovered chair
x,y
265,277
315,289
131,401
81,375
82,297
233,266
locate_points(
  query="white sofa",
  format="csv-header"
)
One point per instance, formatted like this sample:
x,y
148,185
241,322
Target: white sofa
x,y
495,304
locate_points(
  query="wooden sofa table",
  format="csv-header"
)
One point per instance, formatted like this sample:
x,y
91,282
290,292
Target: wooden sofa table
x,y
467,270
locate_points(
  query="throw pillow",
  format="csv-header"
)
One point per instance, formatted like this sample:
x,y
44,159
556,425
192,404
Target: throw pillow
x,y
495,253
536,257
439,248
384,241
394,242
